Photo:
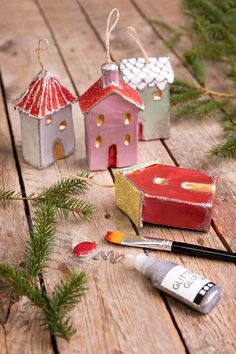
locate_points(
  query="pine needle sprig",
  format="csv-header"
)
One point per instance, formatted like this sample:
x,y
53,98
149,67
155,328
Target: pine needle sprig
x,y
40,244
53,312
184,97
67,293
225,149
197,65
207,107
7,196
67,187
24,280
213,37
59,195
17,280
77,207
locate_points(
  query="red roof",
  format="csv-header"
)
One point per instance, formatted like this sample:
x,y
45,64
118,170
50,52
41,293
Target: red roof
x,y
45,95
97,93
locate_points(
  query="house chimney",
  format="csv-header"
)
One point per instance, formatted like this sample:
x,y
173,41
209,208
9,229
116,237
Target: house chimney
x,y
110,74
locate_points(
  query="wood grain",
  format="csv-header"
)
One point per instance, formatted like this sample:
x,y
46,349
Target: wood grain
x,y
115,310
121,309
15,316
209,326
192,139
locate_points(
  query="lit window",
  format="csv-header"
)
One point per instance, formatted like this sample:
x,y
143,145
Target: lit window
x,y
127,139
100,120
159,180
127,118
98,141
62,125
48,120
157,95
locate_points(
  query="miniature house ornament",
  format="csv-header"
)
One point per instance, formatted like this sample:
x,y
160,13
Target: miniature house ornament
x,y
46,118
166,195
111,114
151,78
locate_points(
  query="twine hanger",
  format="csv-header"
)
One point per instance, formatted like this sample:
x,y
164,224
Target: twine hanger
x,y
40,49
133,33
109,30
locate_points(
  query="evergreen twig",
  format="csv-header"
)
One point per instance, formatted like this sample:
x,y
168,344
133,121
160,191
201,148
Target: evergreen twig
x,y
40,244
24,280
59,195
213,36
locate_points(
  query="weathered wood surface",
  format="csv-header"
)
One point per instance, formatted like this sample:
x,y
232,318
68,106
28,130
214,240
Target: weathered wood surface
x,y
191,140
120,311
18,325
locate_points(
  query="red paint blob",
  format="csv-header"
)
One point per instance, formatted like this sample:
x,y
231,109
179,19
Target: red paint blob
x,y
84,248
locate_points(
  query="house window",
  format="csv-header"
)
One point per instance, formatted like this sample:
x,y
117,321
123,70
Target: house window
x,y
157,95
62,125
127,139
127,117
98,142
100,120
159,180
48,120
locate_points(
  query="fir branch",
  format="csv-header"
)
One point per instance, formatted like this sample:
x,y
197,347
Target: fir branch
x,y
18,281
77,207
53,310
40,245
225,149
197,65
181,85
59,195
184,97
208,106
57,324
7,196
67,187
67,293
213,36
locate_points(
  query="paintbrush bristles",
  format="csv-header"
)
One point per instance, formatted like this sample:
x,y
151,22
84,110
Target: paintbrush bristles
x,y
114,236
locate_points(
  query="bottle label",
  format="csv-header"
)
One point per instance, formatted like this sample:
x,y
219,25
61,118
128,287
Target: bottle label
x,y
186,284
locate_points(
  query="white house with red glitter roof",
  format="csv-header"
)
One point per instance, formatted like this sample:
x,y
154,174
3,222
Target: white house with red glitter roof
x,y
46,120
111,109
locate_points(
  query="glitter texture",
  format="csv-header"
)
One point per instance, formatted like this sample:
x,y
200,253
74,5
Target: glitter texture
x,y
45,95
128,198
97,93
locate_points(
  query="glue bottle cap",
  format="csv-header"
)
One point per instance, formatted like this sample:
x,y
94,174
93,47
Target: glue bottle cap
x,y
139,262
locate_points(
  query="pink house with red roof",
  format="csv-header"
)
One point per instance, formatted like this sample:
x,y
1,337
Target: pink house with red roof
x,y
46,120
111,109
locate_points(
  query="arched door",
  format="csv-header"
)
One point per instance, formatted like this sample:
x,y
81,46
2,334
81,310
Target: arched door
x,y
112,156
58,151
140,131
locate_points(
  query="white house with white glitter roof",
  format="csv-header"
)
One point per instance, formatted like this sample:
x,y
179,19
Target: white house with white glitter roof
x,y
46,120
151,79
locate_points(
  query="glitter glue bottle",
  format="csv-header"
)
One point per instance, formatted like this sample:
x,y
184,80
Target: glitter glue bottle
x,y
192,289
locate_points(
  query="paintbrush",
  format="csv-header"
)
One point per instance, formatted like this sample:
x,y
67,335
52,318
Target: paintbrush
x,y
169,246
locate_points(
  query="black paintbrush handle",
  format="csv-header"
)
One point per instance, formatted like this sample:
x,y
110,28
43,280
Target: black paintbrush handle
x,y
200,251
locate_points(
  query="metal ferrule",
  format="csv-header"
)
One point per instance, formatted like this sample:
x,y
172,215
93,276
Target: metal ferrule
x,y
158,244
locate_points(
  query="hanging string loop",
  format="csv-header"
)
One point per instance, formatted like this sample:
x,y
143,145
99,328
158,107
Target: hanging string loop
x,y
133,33
109,30
43,44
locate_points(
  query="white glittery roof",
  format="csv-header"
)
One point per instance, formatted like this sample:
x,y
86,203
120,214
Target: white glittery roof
x,y
157,72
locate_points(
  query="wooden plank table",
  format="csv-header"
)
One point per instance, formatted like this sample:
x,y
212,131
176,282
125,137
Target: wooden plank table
x,y
121,312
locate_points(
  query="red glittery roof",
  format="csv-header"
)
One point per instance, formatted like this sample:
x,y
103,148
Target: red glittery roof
x,y
97,93
45,95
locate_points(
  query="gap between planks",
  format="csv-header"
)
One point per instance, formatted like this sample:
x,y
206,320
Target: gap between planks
x,y
93,28
23,191
57,168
